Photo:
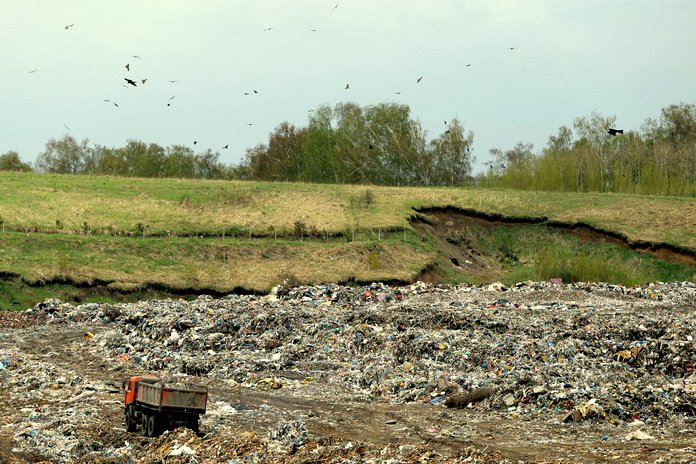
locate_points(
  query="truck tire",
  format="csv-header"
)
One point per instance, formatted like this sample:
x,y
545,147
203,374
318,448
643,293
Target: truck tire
x,y
151,426
131,424
143,422
194,424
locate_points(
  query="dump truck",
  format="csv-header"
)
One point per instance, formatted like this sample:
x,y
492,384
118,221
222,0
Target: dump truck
x,y
154,407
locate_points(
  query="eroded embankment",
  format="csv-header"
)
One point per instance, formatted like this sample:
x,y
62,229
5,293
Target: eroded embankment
x,y
21,293
443,226
24,293
586,232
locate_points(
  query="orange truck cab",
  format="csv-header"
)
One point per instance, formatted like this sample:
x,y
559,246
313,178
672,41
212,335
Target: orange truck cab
x,y
153,407
131,386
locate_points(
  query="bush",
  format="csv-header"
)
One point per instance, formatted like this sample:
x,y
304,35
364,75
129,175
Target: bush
x,y
373,261
362,200
287,279
583,267
299,230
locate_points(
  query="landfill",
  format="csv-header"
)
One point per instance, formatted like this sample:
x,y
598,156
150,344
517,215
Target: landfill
x,y
533,372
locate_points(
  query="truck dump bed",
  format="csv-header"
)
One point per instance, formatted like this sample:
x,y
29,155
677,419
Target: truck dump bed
x,y
160,396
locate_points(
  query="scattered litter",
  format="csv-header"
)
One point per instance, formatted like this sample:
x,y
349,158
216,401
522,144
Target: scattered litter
x,y
575,354
638,435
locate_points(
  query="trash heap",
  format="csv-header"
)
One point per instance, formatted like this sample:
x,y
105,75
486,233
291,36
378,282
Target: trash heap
x,y
182,446
585,351
578,354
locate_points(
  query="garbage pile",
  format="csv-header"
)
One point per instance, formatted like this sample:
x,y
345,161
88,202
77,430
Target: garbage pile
x,y
629,351
578,353
182,446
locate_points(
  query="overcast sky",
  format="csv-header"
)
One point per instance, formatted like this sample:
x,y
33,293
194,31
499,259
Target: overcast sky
x,y
623,58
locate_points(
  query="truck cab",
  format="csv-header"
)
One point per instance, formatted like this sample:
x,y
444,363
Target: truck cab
x,y
154,406
131,386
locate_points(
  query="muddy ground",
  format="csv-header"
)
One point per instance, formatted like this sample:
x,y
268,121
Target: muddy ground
x,y
61,402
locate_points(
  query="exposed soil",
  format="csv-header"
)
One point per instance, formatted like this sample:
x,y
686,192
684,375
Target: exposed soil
x,y
445,220
444,227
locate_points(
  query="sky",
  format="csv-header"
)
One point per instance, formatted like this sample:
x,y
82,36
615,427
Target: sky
x,y
510,70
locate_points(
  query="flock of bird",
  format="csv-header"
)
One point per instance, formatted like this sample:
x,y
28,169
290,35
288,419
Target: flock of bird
x,y
135,82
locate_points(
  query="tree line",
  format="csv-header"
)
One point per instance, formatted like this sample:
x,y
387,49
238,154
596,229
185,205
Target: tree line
x,y
383,145
135,159
380,144
657,159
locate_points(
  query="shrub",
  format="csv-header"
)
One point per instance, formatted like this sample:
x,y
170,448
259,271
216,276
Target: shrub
x,y
363,200
140,227
373,261
299,230
287,279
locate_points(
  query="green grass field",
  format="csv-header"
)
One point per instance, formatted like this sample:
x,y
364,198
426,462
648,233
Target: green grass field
x,y
178,206
190,234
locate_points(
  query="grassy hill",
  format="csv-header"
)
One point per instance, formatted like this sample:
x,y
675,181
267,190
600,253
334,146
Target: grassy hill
x,y
129,233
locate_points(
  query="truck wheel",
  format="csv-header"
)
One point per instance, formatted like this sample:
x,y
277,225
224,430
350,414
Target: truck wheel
x,y
194,424
143,423
131,424
151,426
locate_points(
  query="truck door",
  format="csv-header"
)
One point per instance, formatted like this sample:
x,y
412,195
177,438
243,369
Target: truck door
x,y
131,390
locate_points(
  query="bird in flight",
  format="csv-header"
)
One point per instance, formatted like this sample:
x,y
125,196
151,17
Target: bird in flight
x,y
267,29
172,97
468,65
143,80
255,91
335,6
131,82
135,56
69,26
226,147
347,87
314,30
250,124
33,71
128,67
195,142
512,48
115,104
173,82
419,79
613,132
